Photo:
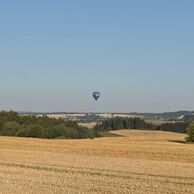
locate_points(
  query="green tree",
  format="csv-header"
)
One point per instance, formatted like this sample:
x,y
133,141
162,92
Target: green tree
x,y
84,132
10,128
190,133
35,130
13,124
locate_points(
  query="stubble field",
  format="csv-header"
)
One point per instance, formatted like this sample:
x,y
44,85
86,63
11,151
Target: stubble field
x,y
139,162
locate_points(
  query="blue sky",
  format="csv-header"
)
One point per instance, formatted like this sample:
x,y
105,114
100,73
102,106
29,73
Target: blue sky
x,y
138,54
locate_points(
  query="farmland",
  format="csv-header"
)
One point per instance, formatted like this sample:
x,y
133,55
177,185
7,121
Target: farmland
x,y
135,162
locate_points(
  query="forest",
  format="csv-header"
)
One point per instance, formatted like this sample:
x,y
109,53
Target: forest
x,y
138,123
13,124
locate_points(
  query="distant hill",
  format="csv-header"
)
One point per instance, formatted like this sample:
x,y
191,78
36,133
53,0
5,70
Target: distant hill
x,y
188,118
99,117
167,115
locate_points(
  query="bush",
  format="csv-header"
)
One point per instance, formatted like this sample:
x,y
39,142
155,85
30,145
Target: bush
x,y
190,133
35,130
85,133
24,132
10,128
54,131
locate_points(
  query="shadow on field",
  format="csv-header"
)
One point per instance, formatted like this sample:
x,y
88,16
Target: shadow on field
x,y
109,134
178,141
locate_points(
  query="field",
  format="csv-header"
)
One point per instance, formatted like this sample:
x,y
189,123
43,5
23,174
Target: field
x,y
159,122
138,162
89,125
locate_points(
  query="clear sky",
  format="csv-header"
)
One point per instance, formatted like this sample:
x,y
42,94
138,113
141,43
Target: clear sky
x,y
139,54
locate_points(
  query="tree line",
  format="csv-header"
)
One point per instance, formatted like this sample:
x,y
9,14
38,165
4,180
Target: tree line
x,y
138,123
117,123
13,124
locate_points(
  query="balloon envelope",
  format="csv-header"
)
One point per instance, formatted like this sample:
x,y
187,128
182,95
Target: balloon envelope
x,y
96,95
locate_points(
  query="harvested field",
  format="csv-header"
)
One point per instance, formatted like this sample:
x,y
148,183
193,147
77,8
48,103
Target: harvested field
x,y
88,125
140,162
159,122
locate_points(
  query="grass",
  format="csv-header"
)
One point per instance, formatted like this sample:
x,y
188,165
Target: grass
x,y
131,162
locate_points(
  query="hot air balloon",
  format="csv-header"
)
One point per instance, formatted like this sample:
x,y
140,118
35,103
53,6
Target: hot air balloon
x,y
96,95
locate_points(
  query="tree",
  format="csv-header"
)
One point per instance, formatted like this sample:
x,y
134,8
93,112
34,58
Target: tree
x,y
13,124
85,133
36,130
190,133
10,128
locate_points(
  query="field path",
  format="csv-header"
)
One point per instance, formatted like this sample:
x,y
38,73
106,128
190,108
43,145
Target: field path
x,y
139,162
